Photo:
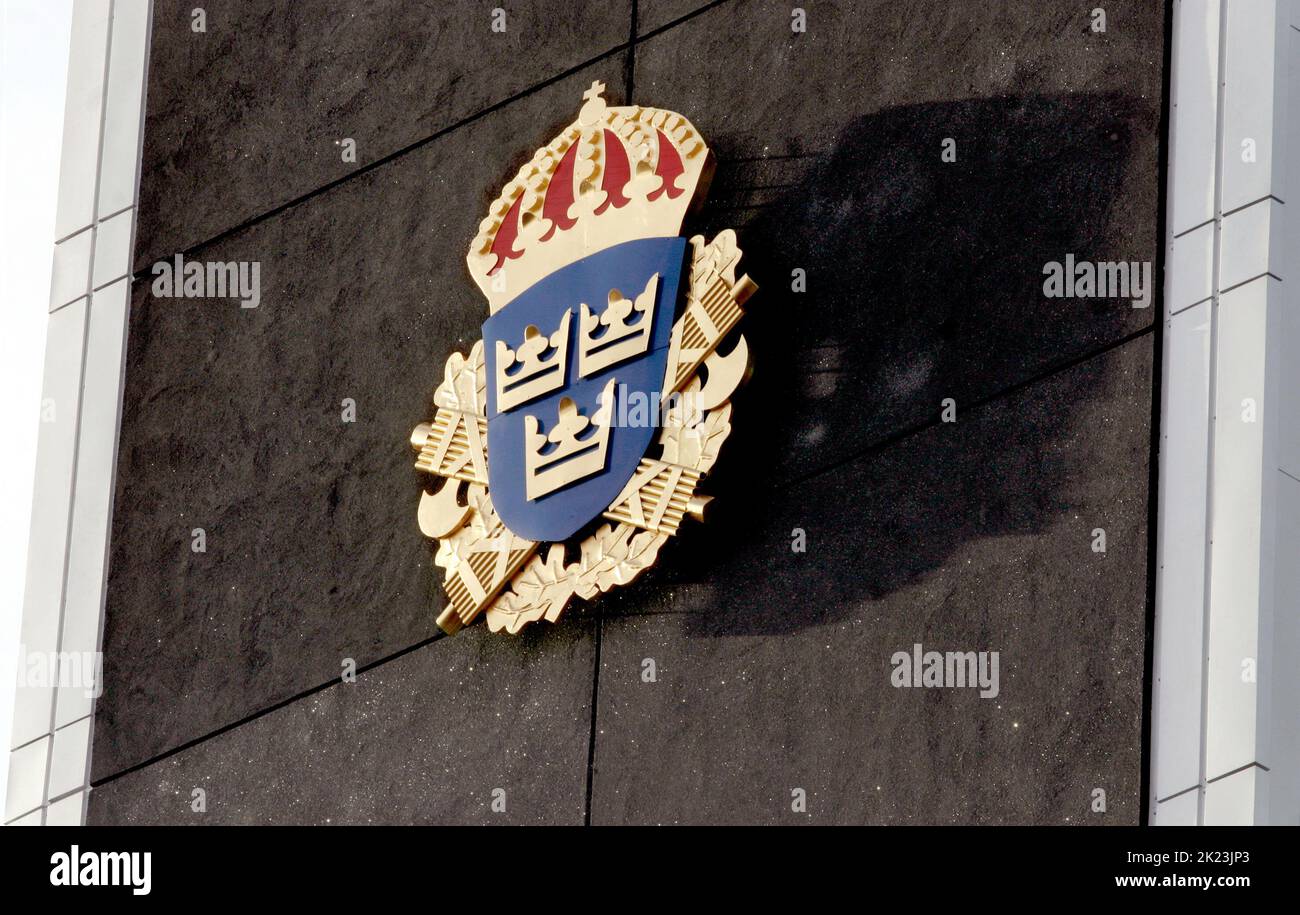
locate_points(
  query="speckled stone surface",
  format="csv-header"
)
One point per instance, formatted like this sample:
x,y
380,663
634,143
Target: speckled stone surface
x,y
656,14
425,738
250,113
924,278
924,282
772,667
233,423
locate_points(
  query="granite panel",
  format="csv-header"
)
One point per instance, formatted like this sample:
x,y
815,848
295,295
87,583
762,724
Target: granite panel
x,y
426,738
773,667
924,278
234,423
924,281
652,15
250,113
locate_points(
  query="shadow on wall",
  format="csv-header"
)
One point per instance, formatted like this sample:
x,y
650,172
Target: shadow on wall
x,y
924,282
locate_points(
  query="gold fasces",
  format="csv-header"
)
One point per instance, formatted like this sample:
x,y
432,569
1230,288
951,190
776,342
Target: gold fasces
x,y
478,552
455,446
698,506
440,513
607,339
533,375
449,621
481,557
697,416
662,492
723,374
657,498
713,308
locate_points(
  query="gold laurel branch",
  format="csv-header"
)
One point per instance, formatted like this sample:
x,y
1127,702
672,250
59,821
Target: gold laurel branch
x,y
612,556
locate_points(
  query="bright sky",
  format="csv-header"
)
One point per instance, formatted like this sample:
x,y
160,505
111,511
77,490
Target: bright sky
x,y
34,38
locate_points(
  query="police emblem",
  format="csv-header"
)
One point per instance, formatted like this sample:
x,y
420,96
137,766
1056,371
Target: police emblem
x,y
570,442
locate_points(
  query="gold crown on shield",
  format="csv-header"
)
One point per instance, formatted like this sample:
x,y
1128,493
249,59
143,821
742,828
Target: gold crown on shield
x,y
614,175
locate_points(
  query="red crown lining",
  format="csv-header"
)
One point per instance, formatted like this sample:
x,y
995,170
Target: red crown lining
x,y
617,174
559,193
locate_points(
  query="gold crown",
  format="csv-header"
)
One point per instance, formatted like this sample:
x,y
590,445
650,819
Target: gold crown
x,y
613,175
607,339
534,375
576,445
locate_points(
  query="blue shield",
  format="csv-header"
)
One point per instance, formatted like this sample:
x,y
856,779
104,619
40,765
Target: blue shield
x,y
568,362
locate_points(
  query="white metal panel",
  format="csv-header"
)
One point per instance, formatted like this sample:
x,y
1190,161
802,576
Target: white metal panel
x,y
52,505
1288,366
1180,572
1190,268
1289,170
82,116
27,767
1251,101
1237,488
1284,746
62,615
1238,800
1193,111
1251,675
122,123
88,550
70,278
1288,456
113,248
1246,249
70,811
70,758
1177,811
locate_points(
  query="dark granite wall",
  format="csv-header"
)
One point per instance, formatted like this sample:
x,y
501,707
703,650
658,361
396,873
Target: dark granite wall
x,y
773,667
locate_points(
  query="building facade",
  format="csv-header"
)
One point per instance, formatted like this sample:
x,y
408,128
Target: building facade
x,y
963,433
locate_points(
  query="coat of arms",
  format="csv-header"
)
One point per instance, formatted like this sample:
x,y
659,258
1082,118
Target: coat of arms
x,y
572,439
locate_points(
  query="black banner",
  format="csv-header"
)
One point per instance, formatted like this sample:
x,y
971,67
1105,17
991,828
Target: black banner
x,y
336,865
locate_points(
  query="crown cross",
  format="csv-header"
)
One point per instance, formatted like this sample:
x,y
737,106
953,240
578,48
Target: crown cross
x,y
574,449
527,373
594,109
608,338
